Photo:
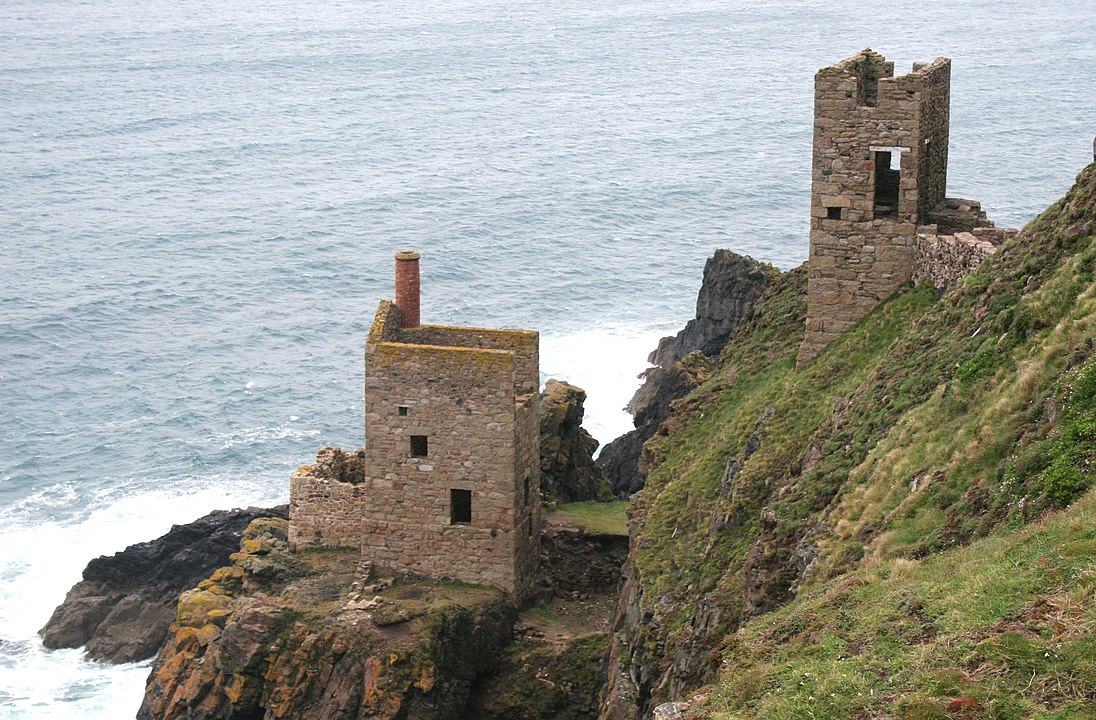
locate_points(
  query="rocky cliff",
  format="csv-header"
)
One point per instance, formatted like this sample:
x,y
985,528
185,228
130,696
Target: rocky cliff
x,y
568,472
122,607
310,635
904,528
731,285
894,530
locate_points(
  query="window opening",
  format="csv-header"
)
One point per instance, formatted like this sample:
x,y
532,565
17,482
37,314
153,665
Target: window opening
x,y
401,409
886,182
526,489
419,446
833,213
460,507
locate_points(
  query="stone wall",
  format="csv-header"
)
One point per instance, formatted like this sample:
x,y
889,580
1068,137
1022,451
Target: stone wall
x,y
526,507
933,82
462,401
862,241
943,260
324,505
524,344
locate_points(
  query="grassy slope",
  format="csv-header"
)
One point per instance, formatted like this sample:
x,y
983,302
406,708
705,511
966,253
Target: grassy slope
x,y
931,423
1003,628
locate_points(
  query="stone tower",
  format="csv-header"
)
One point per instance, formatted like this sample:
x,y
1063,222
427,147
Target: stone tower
x,y
448,484
879,169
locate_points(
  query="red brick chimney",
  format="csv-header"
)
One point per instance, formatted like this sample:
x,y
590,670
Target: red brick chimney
x,y
407,287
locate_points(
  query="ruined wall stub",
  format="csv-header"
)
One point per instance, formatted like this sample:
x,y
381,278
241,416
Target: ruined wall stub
x,y
879,165
448,484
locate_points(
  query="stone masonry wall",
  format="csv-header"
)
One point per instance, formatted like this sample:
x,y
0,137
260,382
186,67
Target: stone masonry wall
x,y
325,508
943,260
462,401
527,504
861,254
934,119
464,391
523,343
386,322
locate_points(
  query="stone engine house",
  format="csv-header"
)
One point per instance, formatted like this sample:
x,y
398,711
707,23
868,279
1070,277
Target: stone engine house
x,y
879,216
448,483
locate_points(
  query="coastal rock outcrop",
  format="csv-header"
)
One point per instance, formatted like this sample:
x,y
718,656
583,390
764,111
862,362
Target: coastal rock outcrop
x,y
732,284
568,472
123,606
310,635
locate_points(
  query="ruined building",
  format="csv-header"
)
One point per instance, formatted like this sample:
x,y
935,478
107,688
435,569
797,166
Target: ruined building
x,y
879,217
447,485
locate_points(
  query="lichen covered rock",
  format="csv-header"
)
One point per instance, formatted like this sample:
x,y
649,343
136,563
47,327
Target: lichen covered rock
x,y
307,635
123,606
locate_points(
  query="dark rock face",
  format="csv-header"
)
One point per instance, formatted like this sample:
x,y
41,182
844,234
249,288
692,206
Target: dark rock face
x,y
732,284
568,472
122,608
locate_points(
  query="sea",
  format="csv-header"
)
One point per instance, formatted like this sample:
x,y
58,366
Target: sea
x,y
200,201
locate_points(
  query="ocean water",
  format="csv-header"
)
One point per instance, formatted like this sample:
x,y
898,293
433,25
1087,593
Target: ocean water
x,y
199,203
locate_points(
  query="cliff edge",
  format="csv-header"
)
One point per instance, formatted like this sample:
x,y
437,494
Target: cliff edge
x,y
123,606
731,285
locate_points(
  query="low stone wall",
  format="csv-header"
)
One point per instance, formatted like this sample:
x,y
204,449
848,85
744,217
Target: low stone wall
x,y
943,260
325,507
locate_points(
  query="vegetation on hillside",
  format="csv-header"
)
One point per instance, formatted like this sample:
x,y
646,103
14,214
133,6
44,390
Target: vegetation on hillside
x,y
932,423
1004,628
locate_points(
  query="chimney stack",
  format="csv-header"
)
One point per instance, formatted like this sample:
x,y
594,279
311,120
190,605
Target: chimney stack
x,y
407,287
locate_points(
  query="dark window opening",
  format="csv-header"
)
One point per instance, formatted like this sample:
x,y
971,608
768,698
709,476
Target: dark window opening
x,y
526,489
401,409
419,446
833,213
887,178
530,526
460,507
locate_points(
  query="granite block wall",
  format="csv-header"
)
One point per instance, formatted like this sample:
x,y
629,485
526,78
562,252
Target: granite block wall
x,y
325,501
943,260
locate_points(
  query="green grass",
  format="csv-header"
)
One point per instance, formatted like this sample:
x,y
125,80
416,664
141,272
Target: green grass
x,y
1005,627
596,518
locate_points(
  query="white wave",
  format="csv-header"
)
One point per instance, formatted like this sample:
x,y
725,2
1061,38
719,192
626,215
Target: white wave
x,y
42,561
253,435
41,683
604,362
